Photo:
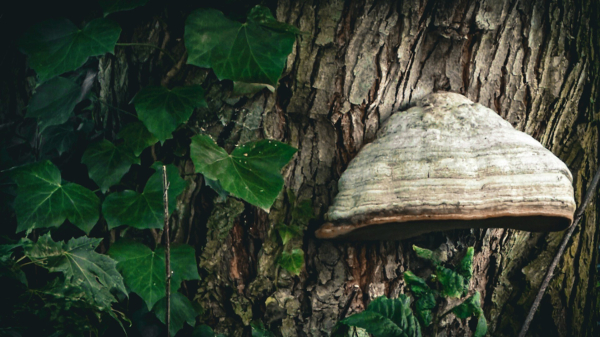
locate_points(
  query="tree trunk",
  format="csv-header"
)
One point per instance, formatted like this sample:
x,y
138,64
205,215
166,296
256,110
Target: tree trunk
x,y
534,62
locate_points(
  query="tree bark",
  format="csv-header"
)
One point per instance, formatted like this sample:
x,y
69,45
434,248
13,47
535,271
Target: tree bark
x,y
534,62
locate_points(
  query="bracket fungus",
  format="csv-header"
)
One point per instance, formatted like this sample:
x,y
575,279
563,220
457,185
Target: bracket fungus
x,y
449,163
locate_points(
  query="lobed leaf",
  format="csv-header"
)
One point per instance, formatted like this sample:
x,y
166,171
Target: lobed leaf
x,y
288,232
162,110
465,267
44,201
246,52
146,209
137,137
54,101
182,312
94,273
144,270
423,307
250,172
427,254
471,306
59,137
416,284
453,284
57,46
107,163
292,261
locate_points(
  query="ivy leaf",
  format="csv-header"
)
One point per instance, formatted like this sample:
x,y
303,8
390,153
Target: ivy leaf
x,y
162,110
54,101
453,284
387,317
245,52
258,330
216,186
471,306
465,267
251,172
427,254
481,328
416,284
146,209
137,137
423,307
182,312
262,16
59,137
108,163
144,269
205,331
57,46
81,266
288,232
111,6
44,201
292,262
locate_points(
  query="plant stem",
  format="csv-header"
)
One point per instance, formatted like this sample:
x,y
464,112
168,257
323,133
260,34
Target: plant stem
x,y
148,45
167,248
118,109
578,215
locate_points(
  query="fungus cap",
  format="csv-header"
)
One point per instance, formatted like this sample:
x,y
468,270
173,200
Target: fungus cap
x,y
449,163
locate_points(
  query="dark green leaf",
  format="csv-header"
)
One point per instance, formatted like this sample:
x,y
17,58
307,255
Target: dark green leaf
x,y
108,163
182,312
465,267
262,16
162,110
143,210
387,318
54,101
251,172
144,269
416,284
59,137
288,232
302,213
423,307
111,6
258,330
427,254
292,262
81,266
453,284
43,201
481,328
471,306
216,186
245,52
137,137
203,331
57,46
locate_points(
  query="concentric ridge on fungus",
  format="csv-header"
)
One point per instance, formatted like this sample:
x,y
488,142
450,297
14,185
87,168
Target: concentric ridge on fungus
x,y
449,163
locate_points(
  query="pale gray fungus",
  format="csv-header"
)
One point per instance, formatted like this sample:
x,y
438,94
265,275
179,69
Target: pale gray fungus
x,y
449,163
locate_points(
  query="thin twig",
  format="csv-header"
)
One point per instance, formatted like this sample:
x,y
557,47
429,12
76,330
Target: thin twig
x,y
167,248
176,68
578,215
148,45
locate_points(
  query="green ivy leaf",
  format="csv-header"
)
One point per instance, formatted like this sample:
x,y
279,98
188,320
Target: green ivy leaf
x,y
182,312
465,267
54,101
258,330
481,328
416,284
288,232
57,46
146,209
43,201
262,16
144,269
293,261
423,307
108,163
59,137
387,317
162,110
111,6
137,137
245,52
81,266
453,284
427,254
205,331
251,172
471,306
216,186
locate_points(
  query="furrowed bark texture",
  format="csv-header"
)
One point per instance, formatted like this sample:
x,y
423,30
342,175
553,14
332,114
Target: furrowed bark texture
x,y
534,62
